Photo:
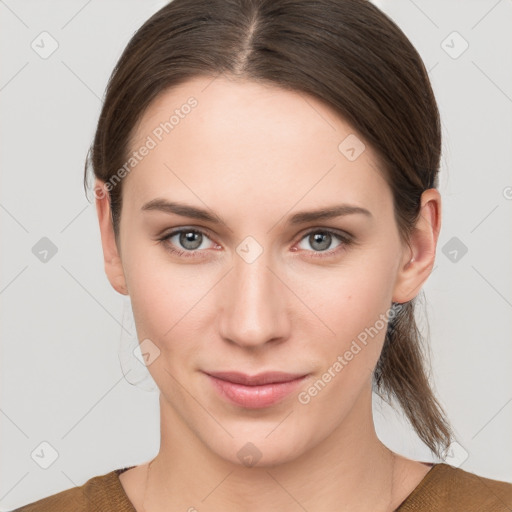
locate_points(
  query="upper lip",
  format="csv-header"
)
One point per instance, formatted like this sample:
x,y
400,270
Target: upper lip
x,y
255,380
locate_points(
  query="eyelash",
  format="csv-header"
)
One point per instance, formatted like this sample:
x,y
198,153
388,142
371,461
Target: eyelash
x,y
346,240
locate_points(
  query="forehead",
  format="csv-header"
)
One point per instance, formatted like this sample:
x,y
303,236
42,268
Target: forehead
x,y
247,111
257,140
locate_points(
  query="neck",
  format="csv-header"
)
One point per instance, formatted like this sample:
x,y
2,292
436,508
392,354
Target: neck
x,y
349,470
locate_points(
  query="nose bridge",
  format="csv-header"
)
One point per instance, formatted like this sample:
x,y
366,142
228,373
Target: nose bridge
x,y
254,311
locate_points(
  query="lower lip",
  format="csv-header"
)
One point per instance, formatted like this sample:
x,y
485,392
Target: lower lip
x,y
254,397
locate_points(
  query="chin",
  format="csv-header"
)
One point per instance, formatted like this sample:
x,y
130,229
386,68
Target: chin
x,y
256,448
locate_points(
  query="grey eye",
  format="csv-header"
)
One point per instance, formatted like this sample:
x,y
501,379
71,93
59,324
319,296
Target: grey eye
x,y
319,240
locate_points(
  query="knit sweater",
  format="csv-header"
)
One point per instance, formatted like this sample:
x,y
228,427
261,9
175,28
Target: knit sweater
x,y
444,488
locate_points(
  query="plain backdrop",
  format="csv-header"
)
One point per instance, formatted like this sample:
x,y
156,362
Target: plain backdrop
x,y
67,411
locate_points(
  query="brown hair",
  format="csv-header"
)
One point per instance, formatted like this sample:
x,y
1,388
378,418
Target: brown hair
x,y
346,53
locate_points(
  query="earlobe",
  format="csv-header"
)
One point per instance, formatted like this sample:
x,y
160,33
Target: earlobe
x,y
419,257
111,257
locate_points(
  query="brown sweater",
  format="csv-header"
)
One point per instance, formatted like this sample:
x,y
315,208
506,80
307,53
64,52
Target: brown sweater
x,y
444,488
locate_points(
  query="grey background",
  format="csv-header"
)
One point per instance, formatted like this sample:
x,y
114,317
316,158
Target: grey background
x,y
63,326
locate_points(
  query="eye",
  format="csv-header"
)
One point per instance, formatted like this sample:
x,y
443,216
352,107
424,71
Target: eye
x,y
192,240
321,239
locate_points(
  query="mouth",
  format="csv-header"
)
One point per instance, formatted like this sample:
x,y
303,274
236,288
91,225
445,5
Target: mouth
x,y
254,392
274,377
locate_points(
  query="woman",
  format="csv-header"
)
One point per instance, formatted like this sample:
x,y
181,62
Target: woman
x,y
266,176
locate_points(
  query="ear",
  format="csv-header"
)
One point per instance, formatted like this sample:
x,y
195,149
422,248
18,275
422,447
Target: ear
x,y
111,255
419,257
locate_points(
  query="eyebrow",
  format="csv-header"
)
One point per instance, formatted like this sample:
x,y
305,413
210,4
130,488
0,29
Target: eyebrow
x,y
193,212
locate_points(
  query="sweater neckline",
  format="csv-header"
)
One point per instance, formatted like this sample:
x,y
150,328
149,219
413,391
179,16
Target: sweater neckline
x,y
423,484
126,504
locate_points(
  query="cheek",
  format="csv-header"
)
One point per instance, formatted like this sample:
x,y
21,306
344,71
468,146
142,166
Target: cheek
x,y
353,301
356,309
165,296
166,304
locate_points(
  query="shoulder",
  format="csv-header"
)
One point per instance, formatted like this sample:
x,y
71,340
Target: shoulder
x,y
103,492
446,487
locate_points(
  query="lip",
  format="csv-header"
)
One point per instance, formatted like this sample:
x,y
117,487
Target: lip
x,y
255,392
256,380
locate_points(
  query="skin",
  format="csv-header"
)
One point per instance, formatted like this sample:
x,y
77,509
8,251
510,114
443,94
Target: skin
x,y
255,154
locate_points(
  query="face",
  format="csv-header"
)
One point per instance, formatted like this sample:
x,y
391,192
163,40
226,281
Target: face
x,y
257,287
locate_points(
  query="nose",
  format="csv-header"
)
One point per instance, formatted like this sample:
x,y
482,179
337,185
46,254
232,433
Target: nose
x,y
255,303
